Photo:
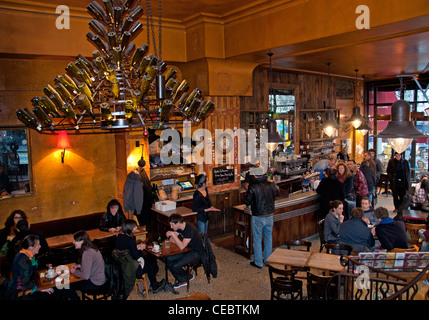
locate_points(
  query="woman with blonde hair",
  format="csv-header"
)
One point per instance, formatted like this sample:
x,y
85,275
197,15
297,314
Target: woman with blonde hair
x,y
345,176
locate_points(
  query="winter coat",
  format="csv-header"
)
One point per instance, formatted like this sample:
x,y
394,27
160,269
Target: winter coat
x,y
129,268
133,193
208,258
360,184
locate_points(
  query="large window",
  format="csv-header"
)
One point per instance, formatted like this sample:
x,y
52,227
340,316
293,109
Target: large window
x,y
380,97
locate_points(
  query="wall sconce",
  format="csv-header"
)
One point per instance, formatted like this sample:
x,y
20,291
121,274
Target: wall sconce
x,y
330,124
364,128
400,131
63,143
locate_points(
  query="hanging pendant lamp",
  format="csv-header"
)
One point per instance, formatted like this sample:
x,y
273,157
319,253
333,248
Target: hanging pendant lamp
x,y
364,128
400,130
330,124
356,119
274,137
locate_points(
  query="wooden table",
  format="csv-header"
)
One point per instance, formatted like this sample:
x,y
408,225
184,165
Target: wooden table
x,y
296,258
415,216
66,239
45,283
325,261
289,257
163,254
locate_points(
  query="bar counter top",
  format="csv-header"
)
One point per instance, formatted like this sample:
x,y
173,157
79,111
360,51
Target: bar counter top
x,y
297,197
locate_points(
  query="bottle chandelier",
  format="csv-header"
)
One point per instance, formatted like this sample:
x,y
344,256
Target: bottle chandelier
x,y
121,87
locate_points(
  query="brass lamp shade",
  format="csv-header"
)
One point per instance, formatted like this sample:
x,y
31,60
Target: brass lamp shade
x,y
401,125
356,119
364,128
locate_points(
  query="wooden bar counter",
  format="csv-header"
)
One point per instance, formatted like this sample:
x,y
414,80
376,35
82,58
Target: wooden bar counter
x,y
294,218
161,218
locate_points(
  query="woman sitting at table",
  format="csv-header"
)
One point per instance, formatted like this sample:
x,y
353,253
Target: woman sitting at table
x,y
91,267
24,266
202,203
147,262
113,218
9,231
333,222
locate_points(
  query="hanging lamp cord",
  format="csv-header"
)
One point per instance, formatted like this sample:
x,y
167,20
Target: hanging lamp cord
x,y
151,29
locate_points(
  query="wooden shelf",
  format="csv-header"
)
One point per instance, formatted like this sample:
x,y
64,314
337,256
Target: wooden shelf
x,y
170,176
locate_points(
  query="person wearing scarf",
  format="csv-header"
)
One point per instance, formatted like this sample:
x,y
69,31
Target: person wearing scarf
x,y
22,284
390,233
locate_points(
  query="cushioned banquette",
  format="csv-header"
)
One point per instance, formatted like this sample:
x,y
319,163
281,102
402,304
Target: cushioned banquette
x,y
68,225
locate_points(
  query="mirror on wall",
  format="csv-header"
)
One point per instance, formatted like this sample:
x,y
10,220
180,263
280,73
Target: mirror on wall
x,y
282,103
14,162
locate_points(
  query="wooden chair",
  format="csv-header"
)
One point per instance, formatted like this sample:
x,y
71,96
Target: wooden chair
x,y
144,281
63,255
338,248
316,287
320,229
413,231
106,245
99,294
284,286
298,243
193,266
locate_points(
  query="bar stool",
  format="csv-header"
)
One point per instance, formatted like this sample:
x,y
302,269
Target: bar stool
x,y
144,280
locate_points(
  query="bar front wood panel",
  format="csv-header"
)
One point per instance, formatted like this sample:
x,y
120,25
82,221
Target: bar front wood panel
x,y
222,222
161,218
294,218
295,222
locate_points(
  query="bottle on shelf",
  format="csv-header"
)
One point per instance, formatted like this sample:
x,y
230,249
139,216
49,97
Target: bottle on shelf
x,y
43,117
25,116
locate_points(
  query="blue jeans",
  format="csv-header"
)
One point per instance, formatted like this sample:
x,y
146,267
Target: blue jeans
x,y
202,226
177,262
262,226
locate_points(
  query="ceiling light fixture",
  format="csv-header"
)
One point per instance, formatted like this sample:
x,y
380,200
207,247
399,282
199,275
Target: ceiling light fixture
x,y
330,124
356,119
122,86
400,131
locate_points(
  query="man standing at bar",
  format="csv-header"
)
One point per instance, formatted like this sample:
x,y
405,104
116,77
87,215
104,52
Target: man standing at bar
x,y
260,197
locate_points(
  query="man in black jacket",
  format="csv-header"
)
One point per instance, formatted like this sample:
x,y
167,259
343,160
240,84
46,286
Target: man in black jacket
x,y
260,197
398,170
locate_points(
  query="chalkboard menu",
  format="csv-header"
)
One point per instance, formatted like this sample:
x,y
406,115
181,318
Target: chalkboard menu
x,y
222,175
